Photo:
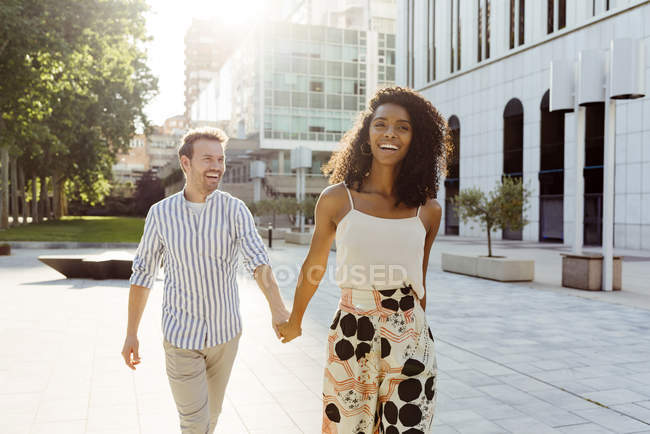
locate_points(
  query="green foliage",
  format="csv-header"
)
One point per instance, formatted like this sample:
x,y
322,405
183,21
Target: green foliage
x,y
149,190
73,87
308,206
500,208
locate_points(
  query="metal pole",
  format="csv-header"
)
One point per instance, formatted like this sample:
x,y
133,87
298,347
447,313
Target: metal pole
x,y
608,193
578,236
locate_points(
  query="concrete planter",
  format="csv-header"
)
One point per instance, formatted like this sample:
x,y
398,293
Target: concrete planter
x,y
278,233
501,269
586,271
302,238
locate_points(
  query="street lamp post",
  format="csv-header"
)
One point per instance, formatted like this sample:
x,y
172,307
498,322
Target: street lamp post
x,y
596,79
300,161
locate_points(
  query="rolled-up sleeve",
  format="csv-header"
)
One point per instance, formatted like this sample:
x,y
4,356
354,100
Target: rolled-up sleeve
x,y
150,250
250,243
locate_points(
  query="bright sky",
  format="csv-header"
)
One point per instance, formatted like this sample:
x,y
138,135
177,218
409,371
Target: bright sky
x,y
167,22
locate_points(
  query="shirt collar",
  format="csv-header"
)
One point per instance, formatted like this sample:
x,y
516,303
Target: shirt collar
x,y
208,198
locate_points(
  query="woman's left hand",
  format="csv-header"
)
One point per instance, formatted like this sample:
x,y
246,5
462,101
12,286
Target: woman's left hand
x,y
289,331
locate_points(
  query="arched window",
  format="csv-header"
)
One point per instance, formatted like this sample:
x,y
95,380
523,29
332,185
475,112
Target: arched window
x,y
452,181
551,173
513,149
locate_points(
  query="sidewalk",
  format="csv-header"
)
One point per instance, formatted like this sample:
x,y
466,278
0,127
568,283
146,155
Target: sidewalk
x,y
512,357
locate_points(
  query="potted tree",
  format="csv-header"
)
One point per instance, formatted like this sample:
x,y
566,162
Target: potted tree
x,y
501,208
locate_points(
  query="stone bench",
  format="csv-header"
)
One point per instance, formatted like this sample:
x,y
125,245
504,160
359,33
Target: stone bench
x,y
109,265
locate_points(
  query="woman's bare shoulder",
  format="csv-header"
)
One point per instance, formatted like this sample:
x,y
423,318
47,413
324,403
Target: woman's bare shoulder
x,y
334,201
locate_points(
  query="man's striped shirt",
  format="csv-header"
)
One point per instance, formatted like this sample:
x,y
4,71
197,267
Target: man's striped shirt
x,y
200,254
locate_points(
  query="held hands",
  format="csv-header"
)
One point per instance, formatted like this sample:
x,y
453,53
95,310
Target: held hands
x,y
130,351
289,331
279,316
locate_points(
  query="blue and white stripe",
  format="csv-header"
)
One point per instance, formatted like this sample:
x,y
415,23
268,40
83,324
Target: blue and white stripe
x,y
200,254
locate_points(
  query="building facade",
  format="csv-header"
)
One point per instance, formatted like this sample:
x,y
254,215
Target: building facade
x,y
485,65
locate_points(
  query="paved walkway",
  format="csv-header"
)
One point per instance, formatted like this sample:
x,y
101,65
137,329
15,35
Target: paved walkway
x,y
512,357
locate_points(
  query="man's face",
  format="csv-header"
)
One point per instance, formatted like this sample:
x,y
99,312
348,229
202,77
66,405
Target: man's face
x,y
207,165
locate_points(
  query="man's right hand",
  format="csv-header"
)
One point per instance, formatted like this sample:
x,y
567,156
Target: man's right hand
x,y
130,351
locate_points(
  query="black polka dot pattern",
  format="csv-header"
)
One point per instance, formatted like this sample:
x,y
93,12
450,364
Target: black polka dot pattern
x,y
361,351
344,349
412,368
429,389
401,345
385,348
410,389
390,412
365,329
332,412
348,325
410,415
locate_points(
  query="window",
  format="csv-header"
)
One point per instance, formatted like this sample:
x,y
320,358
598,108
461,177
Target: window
x,y
334,102
350,103
555,15
350,70
334,68
431,41
454,36
316,86
479,33
522,4
299,99
410,42
317,67
316,100
483,30
517,9
333,85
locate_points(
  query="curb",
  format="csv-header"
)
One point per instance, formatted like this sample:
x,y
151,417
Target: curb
x,y
68,245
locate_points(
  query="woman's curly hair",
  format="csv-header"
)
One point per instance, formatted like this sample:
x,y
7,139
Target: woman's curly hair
x,y
426,158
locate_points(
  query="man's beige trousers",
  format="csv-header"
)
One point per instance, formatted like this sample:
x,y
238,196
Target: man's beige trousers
x,y
198,380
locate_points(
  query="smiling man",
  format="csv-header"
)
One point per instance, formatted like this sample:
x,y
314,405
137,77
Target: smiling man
x,y
199,233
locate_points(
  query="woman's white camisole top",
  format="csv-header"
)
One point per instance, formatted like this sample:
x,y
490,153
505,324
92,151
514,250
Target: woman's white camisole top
x,y
379,253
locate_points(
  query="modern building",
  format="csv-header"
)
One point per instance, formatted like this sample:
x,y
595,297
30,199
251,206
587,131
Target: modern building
x,y
485,65
293,85
208,43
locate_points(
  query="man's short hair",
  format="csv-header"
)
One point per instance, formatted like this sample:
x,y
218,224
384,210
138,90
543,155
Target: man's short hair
x,y
187,144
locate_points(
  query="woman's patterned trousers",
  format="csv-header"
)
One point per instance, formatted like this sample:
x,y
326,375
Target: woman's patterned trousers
x,y
381,370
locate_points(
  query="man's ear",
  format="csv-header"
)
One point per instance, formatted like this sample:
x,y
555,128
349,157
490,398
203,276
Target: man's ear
x,y
185,163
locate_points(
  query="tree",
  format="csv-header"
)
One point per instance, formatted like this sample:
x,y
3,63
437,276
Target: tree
x,y
73,87
500,208
148,190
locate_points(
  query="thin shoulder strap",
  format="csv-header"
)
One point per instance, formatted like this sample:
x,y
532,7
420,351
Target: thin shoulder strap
x,y
418,214
349,196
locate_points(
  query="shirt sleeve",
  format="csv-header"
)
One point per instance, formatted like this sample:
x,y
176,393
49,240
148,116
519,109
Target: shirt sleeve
x,y
147,258
250,243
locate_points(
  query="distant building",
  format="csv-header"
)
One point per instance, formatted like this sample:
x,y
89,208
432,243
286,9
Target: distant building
x,y
208,43
292,85
150,152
